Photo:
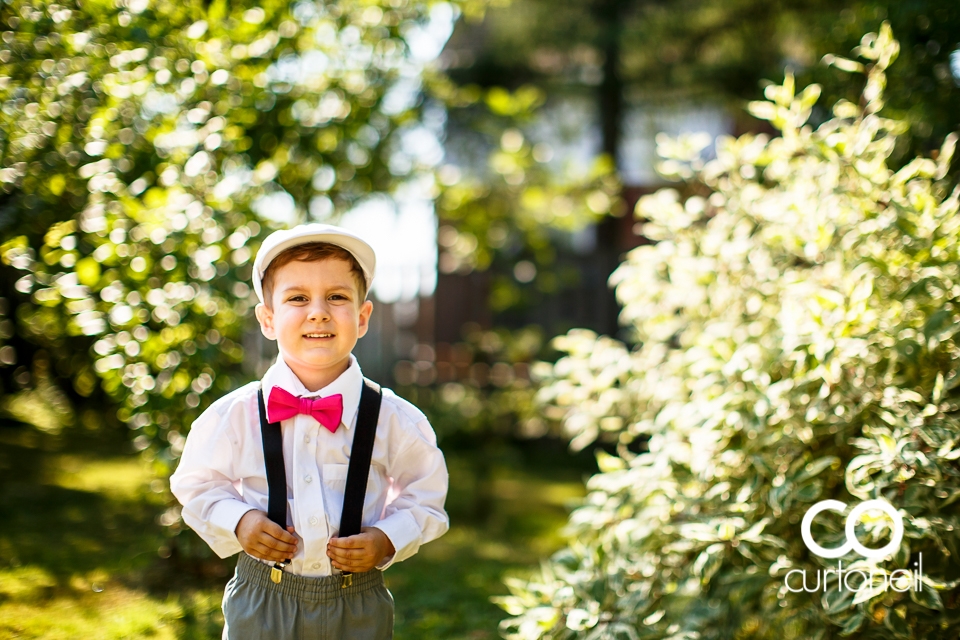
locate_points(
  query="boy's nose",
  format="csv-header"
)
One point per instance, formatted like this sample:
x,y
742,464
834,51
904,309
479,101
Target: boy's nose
x,y
319,312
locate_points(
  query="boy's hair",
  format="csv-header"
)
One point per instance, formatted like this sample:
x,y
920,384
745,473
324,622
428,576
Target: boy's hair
x,y
312,252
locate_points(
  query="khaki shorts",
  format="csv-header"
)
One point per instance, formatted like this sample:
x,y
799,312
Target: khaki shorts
x,y
301,608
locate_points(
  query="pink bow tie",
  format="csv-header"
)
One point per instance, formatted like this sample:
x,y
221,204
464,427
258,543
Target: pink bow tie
x,y
327,411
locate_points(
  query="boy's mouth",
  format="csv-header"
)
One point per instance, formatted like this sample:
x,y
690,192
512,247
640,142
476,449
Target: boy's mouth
x,y
317,335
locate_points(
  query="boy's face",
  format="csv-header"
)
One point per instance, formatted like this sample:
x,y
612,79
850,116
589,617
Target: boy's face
x,y
316,319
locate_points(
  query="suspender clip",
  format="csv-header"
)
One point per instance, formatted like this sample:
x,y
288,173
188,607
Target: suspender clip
x,y
276,573
346,580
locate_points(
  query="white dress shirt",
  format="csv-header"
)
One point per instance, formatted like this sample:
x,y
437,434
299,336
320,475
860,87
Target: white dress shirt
x,y
222,475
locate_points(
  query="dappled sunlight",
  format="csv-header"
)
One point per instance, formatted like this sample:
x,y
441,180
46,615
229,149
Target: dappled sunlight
x,y
769,312
92,516
115,613
125,478
79,530
80,547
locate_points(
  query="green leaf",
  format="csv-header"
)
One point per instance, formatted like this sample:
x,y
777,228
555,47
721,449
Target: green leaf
x,y
844,64
88,272
937,394
928,597
762,110
817,466
896,621
608,463
867,593
708,562
809,492
835,601
852,624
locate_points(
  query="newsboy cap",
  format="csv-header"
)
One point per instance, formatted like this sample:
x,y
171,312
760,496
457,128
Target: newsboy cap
x,y
279,241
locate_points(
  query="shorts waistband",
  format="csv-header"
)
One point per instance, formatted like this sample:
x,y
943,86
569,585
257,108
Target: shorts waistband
x,y
306,588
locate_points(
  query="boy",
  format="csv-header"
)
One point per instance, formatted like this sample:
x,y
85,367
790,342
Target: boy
x,y
303,580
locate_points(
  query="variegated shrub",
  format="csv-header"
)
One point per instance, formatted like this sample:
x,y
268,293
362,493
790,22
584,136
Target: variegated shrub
x,y
796,328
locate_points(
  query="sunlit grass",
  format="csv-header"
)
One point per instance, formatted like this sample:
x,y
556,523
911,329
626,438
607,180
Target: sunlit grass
x,y
444,592
123,478
77,536
115,613
79,544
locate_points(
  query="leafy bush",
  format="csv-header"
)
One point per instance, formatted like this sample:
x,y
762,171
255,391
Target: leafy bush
x,y
145,150
797,326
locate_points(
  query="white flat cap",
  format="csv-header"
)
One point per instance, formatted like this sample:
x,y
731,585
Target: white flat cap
x,y
279,241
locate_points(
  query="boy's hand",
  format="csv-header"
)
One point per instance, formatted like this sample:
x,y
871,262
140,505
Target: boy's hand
x,y
361,552
262,538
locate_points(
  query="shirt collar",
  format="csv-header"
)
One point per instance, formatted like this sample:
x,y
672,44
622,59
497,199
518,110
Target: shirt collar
x,y
348,384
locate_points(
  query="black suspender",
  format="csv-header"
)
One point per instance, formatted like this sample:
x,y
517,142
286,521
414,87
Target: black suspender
x,y
273,460
360,454
358,471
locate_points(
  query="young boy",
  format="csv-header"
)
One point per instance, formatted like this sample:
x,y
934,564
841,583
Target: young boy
x,y
302,580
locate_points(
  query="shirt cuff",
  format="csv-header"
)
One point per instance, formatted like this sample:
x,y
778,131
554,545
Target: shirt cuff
x,y
403,533
224,516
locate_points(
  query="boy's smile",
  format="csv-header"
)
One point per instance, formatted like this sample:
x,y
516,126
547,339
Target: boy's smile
x,y
316,318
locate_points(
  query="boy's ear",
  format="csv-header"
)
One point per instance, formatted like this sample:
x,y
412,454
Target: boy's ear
x,y
364,320
265,318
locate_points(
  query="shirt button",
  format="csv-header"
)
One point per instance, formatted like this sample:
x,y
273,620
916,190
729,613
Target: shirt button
x,y
308,479
314,521
307,439
316,565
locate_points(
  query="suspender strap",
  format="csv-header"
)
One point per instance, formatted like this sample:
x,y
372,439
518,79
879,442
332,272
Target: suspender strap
x,y
273,459
368,415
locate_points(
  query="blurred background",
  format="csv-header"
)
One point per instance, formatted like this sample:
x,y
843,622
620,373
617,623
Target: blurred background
x,y
492,152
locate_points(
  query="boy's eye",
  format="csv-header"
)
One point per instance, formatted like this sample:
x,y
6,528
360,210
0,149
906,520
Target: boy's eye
x,y
338,296
297,298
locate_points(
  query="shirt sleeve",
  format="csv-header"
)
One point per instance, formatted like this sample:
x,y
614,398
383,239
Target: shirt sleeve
x,y
420,479
205,482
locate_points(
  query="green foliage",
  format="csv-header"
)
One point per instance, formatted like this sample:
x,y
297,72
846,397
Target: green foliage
x,y
145,150
511,211
796,322
717,51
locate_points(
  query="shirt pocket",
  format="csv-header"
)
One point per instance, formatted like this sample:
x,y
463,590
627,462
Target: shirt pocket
x,y
335,483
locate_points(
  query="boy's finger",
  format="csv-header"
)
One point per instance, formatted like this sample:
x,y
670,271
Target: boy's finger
x,y
355,566
279,554
282,549
274,530
266,553
275,543
351,542
272,543
346,554
282,553
352,564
